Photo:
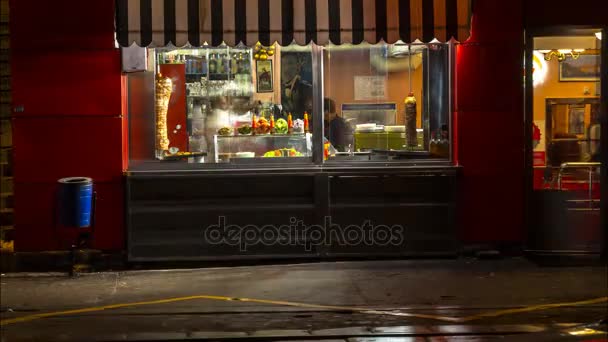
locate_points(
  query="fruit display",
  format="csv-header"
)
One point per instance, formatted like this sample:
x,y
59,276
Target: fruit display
x,y
283,152
261,53
224,131
244,130
280,126
262,126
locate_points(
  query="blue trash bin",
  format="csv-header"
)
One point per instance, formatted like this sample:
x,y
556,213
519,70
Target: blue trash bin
x,y
75,202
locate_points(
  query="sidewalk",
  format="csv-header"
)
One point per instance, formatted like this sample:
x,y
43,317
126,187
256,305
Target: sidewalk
x,y
313,296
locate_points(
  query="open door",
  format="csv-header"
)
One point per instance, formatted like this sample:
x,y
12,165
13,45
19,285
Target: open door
x,y
565,117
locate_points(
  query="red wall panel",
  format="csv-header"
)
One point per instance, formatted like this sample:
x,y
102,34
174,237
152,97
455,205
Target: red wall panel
x,y
34,205
65,24
566,12
46,149
60,83
484,149
490,78
489,105
67,77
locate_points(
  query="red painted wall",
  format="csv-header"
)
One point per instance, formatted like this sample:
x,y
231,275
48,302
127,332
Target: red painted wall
x,y
539,13
490,132
490,111
66,76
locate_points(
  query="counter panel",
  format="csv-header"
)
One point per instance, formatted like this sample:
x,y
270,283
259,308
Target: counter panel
x,y
174,215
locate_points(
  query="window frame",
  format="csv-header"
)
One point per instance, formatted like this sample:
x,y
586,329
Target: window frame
x,y
452,46
317,159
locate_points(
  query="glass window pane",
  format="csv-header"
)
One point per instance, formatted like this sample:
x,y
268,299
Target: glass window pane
x,y
565,141
238,105
566,103
387,101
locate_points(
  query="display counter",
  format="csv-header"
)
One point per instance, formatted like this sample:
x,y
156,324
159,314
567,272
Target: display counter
x,y
175,215
278,152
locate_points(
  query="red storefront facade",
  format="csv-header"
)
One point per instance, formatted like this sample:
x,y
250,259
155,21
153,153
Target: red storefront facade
x,y
69,115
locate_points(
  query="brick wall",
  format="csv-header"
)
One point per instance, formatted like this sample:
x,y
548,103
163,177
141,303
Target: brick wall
x,y
6,180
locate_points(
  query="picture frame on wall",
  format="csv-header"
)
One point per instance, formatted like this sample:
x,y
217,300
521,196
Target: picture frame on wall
x,y
586,68
264,76
576,119
296,82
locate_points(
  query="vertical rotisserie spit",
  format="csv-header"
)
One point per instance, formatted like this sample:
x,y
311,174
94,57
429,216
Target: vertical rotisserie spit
x,y
163,94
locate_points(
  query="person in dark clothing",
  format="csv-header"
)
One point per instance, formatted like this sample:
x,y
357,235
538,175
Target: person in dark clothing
x,y
336,128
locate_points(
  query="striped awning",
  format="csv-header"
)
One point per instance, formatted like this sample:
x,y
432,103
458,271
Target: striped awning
x,y
159,23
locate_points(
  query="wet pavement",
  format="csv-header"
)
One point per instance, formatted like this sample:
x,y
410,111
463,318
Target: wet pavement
x,y
465,298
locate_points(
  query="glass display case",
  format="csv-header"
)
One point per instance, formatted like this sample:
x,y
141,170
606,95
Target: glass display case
x,y
372,126
248,148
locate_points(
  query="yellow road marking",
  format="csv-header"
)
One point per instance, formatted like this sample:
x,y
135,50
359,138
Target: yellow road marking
x,y
104,307
349,308
224,298
304,305
533,308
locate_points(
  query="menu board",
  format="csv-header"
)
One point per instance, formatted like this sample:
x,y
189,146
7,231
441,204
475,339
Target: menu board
x,y
370,88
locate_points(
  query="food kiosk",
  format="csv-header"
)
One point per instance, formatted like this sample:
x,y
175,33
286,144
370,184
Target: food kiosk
x,y
233,118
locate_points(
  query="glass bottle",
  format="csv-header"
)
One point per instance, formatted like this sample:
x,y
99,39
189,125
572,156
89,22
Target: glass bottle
x,y
306,122
433,144
289,124
234,64
239,63
203,65
254,122
220,63
444,145
271,123
245,63
212,64
225,63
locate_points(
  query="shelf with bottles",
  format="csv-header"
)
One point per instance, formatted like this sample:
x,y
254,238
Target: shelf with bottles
x,y
241,86
218,63
228,62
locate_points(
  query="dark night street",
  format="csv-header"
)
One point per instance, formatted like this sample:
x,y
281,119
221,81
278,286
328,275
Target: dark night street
x,y
290,170
466,297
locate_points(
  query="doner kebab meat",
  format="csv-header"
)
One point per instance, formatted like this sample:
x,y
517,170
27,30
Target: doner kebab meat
x,y
164,88
410,120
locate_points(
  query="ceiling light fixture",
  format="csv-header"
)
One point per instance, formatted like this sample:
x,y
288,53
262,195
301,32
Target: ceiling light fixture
x,y
562,54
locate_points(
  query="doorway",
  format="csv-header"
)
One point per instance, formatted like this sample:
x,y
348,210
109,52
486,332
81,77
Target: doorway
x,y
565,116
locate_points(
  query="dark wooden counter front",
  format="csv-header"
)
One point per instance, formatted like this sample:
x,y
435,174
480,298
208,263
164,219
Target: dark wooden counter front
x,y
238,214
